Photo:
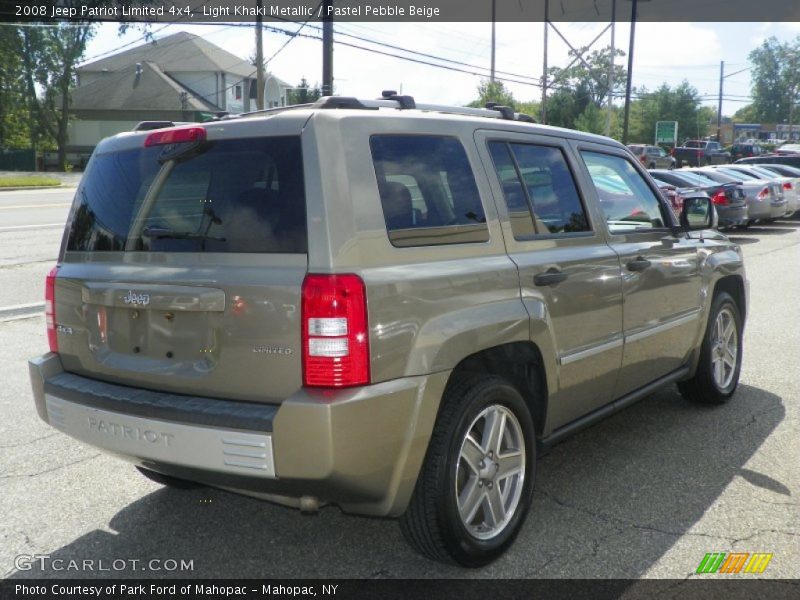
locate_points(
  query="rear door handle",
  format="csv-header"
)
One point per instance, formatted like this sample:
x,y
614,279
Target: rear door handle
x,y
638,264
550,277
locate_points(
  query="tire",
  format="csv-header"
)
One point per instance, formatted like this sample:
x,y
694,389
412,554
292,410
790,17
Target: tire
x,y
169,481
678,163
433,522
651,166
716,379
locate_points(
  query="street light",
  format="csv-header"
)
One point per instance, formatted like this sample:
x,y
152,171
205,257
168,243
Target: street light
x,y
630,71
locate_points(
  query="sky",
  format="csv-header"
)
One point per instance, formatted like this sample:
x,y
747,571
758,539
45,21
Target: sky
x,y
663,52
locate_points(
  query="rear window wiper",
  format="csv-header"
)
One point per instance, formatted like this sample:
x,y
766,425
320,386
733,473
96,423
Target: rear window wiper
x,y
159,233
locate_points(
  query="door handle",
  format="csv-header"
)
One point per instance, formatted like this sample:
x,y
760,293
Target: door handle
x,y
550,277
638,264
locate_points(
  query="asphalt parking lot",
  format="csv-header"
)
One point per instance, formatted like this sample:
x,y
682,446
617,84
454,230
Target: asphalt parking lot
x,y
645,494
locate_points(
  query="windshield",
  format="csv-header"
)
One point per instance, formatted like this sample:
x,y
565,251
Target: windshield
x,y
242,195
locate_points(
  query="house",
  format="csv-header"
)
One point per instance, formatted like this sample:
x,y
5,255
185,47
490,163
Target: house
x,y
181,77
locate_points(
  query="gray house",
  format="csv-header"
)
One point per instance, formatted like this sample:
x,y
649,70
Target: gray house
x,y
181,77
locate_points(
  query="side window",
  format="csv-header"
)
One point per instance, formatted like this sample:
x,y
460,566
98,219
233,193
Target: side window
x,y
627,201
428,191
539,190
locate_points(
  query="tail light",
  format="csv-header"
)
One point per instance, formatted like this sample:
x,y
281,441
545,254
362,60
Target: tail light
x,y
700,153
787,185
335,331
720,199
50,309
763,194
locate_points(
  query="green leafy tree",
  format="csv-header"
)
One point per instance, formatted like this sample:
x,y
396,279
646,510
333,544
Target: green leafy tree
x,y
775,80
303,93
493,91
746,114
681,104
50,56
591,120
14,117
589,77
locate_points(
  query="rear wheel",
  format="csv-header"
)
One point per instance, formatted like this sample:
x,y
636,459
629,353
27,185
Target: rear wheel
x,y
476,484
717,373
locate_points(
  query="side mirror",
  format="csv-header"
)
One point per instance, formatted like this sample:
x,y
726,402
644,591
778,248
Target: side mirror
x,y
698,212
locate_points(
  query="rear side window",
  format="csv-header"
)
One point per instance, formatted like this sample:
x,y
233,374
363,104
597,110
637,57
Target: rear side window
x,y
244,195
627,201
428,191
539,190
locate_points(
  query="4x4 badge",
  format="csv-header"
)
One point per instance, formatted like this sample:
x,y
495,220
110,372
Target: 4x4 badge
x,y
136,299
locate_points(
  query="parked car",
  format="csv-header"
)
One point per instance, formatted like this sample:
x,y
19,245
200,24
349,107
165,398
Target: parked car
x,y
788,149
652,157
698,153
386,306
790,191
765,201
792,160
728,198
746,150
671,195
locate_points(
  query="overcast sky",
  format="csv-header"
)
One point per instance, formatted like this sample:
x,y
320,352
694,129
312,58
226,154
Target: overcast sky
x,y
664,52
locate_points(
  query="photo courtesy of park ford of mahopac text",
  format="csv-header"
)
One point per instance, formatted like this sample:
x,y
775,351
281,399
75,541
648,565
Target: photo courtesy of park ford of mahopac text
x,y
399,299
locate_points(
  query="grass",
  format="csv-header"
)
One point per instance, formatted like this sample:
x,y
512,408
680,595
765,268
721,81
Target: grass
x,y
28,181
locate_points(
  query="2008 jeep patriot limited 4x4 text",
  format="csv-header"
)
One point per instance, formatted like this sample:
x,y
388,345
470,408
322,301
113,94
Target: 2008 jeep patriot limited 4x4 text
x,y
380,305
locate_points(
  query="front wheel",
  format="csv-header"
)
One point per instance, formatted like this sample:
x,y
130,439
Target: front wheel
x,y
476,484
720,363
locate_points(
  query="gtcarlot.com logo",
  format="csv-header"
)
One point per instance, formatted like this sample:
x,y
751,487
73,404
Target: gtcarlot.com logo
x,y
44,562
734,562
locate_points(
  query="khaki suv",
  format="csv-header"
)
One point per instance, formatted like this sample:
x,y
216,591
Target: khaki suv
x,y
388,307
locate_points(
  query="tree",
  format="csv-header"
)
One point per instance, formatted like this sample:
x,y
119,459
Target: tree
x,y
589,77
14,118
581,86
303,94
746,114
775,80
681,104
493,91
49,58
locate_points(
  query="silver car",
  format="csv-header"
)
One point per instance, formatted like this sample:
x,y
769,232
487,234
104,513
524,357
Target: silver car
x,y
787,184
765,201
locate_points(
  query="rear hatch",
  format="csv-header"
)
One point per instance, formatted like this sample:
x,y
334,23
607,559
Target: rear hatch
x,y
183,264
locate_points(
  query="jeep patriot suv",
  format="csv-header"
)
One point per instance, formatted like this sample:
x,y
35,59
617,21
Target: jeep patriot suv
x,y
388,307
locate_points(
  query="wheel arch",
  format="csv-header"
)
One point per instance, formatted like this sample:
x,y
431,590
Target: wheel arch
x,y
522,365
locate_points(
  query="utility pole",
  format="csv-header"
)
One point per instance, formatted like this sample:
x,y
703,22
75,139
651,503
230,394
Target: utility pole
x,y
611,70
259,60
630,75
327,48
491,77
719,106
543,111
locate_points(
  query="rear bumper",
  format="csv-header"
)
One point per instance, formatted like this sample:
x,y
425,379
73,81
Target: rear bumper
x,y
730,217
361,448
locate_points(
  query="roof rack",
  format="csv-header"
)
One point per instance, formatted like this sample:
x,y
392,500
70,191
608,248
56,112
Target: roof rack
x,y
391,99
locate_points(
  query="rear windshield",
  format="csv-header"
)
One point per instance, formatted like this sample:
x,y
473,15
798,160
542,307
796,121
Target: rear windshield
x,y
242,195
695,145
